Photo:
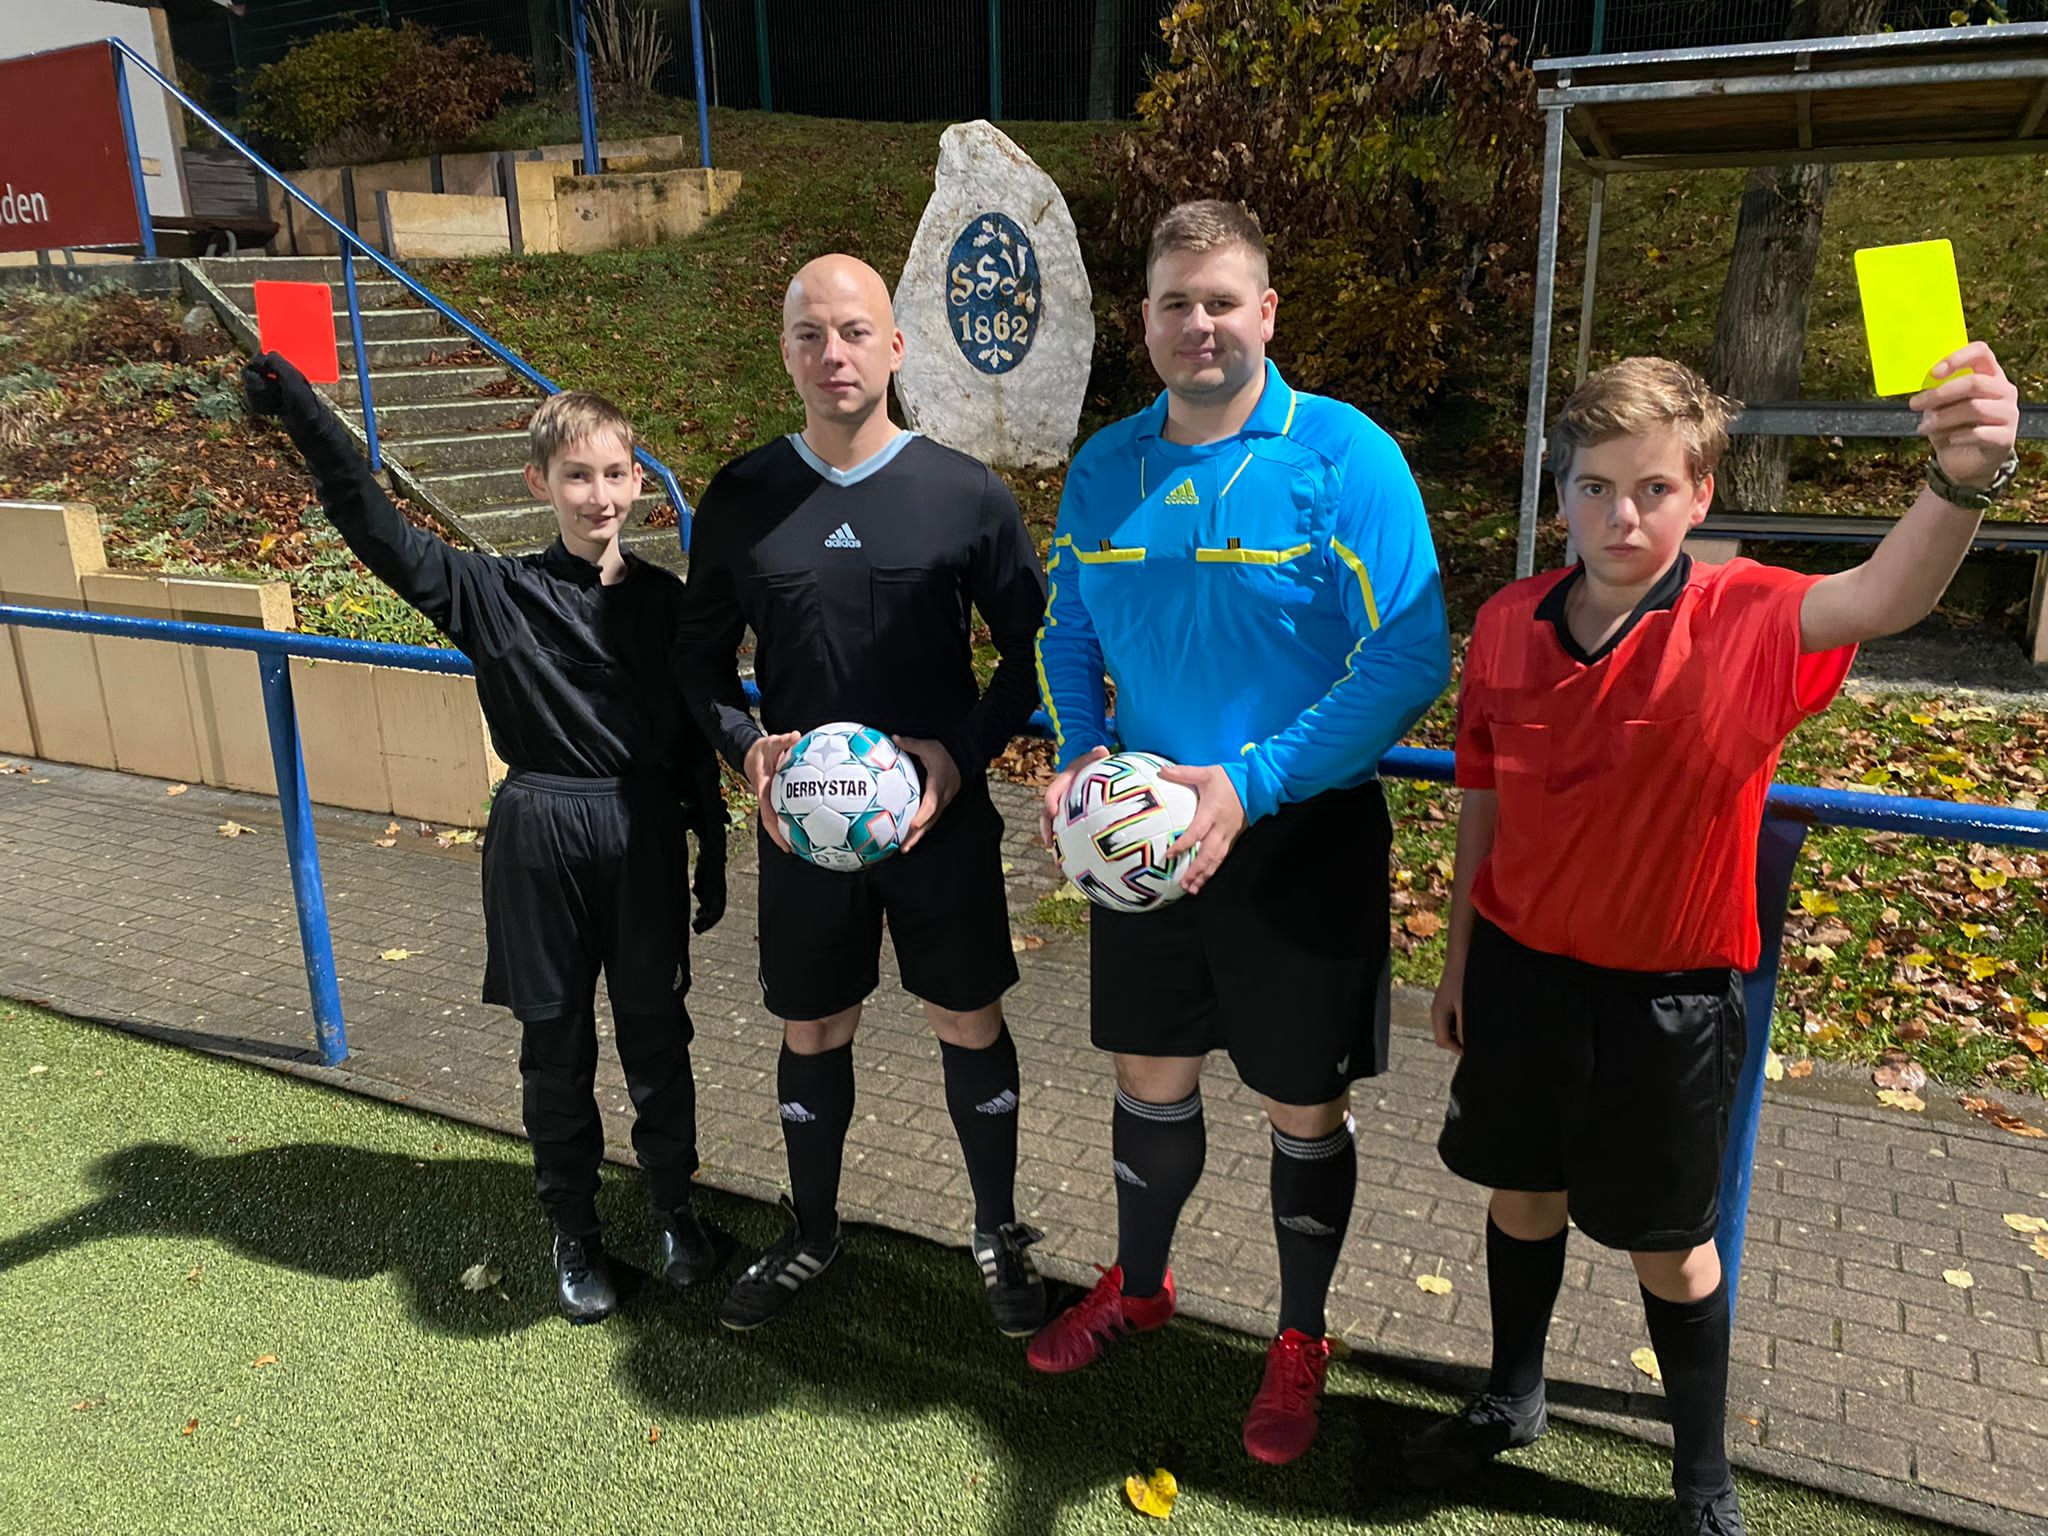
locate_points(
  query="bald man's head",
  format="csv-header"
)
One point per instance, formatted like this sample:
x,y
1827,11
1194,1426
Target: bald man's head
x,y
842,279
839,340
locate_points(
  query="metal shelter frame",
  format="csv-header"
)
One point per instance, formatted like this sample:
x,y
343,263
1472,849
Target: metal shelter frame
x,y
1930,95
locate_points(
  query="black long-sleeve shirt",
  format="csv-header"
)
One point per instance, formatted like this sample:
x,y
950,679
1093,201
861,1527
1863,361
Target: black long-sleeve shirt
x,y
575,677
858,588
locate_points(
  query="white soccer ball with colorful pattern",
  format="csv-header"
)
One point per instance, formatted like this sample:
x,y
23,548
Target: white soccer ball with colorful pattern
x,y
846,796
1114,827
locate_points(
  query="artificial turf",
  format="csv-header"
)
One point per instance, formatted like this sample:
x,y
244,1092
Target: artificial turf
x,y
231,1302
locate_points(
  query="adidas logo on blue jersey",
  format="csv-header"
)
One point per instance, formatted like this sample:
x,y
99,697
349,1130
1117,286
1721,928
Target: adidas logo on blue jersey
x,y
842,537
1183,495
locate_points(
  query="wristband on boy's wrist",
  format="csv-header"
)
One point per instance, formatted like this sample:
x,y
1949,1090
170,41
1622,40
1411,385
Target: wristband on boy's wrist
x,y
1971,498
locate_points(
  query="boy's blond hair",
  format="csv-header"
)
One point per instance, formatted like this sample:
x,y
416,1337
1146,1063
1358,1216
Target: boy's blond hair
x,y
1639,395
569,418
1203,226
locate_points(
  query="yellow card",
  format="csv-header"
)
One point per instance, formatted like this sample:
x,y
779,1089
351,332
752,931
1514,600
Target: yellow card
x,y
1912,312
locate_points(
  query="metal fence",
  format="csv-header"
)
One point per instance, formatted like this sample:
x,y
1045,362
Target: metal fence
x,y
947,60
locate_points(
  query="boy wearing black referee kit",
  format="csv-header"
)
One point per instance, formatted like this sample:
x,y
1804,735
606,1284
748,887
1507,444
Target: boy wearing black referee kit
x,y
1618,725
585,857
855,551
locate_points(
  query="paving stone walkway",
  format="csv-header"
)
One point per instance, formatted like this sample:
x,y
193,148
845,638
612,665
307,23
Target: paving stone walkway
x,y
1857,1366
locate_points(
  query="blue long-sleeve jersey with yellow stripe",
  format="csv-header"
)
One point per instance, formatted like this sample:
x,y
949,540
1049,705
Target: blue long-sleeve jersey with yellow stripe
x,y
1269,602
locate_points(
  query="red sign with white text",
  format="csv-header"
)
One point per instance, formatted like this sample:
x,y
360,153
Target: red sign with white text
x,y
64,174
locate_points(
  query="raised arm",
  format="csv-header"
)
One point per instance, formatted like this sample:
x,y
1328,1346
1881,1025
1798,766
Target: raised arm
x,y
426,571
1972,421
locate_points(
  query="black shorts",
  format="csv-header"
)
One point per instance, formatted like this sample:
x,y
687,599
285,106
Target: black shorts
x,y
948,916
1281,960
583,875
1614,1086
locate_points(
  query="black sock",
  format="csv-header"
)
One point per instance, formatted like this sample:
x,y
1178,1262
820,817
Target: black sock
x,y
1522,1278
816,1096
1313,1185
1158,1151
981,1095
1691,1340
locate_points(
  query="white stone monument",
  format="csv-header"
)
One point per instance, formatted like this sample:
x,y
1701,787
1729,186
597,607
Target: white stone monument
x,y
994,306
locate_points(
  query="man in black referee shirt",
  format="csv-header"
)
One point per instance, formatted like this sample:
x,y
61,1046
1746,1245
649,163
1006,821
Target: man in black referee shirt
x,y
854,550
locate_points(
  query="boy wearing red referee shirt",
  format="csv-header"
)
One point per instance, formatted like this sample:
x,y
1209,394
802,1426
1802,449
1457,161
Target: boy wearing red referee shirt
x,y
1618,725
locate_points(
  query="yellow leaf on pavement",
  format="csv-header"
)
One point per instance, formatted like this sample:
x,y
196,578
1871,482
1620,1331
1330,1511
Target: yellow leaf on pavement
x,y
1435,1285
1961,1279
177,789
2041,1246
233,829
1901,1098
395,954
1774,1067
384,842
1645,1360
1153,1495
1803,1067
2023,1223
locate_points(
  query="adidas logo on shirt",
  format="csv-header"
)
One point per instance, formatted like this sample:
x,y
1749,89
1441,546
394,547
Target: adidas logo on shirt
x,y
1183,495
842,537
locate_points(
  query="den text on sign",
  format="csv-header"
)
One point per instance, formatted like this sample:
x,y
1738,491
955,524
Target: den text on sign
x,y
64,175
992,293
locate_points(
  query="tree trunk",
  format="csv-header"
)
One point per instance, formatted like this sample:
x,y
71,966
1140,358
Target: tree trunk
x,y
1106,58
540,22
1760,332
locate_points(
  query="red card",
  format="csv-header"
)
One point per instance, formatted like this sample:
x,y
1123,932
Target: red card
x,y
296,320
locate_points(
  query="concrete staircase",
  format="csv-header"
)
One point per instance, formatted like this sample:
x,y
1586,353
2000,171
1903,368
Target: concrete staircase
x,y
451,420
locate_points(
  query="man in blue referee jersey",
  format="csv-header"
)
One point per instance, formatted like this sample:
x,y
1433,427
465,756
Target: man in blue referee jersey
x,y
1252,567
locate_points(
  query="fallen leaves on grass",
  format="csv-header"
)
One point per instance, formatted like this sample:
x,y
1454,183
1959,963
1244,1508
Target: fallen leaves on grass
x,y
480,1277
190,1426
84,1404
192,1274
1423,924
1644,1359
262,1360
1153,1495
37,1070
234,829
654,1434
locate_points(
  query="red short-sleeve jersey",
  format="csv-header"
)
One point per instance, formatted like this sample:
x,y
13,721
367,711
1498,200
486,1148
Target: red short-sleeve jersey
x,y
1632,781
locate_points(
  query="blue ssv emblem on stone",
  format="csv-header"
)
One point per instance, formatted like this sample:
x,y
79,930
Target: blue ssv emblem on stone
x,y
992,294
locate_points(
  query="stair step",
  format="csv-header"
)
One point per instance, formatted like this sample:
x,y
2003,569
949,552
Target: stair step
x,y
382,294
414,386
429,456
397,325
440,418
408,352
283,269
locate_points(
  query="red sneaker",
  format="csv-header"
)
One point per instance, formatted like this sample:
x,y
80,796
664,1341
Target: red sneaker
x,y
1081,1333
1283,1419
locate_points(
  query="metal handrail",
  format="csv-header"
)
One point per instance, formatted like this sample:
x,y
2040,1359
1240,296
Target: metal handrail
x,y
1790,810
353,243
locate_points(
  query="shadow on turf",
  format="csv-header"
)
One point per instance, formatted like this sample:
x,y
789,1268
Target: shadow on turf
x,y
897,1328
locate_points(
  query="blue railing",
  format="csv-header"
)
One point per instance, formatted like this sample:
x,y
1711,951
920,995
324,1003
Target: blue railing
x,y
351,244
1789,812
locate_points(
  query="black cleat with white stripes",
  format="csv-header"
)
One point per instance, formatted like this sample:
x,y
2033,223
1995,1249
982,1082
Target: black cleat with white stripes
x,y
772,1281
1016,1294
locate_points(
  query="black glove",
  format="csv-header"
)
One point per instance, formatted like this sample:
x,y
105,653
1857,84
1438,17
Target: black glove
x,y
276,388
710,883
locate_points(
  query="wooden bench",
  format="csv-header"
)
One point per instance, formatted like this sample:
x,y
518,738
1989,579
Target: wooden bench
x,y
1720,536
